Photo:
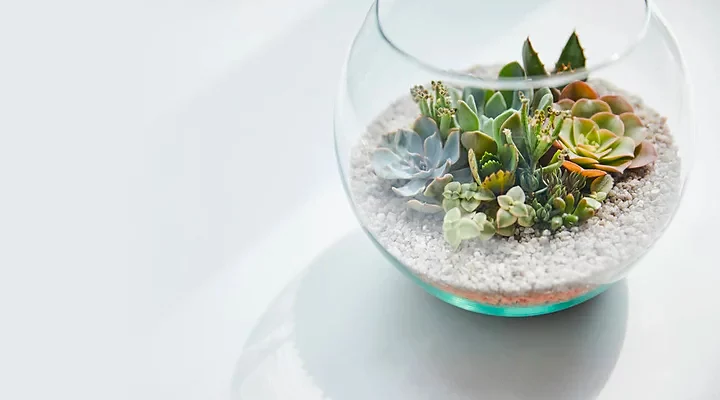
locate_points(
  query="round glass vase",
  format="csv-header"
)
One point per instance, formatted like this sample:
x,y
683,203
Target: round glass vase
x,y
629,52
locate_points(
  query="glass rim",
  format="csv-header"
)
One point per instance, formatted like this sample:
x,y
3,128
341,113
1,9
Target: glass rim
x,y
498,83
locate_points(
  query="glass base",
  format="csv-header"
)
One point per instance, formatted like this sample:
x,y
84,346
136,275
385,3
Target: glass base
x,y
508,311
484,308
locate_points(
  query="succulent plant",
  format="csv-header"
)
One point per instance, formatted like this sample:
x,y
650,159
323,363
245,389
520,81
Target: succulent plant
x,y
604,135
532,137
479,120
562,182
436,105
502,136
459,226
444,193
564,211
415,157
474,136
600,187
512,209
580,212
495,173
492,104
571,58
467,196
555,204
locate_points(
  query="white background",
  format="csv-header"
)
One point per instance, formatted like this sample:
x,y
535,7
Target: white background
x,y
141,246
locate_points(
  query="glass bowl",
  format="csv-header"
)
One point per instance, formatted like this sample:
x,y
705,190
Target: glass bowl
x,y
524,252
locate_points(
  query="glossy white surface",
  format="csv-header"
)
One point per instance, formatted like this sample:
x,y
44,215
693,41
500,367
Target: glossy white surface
x,y
141,258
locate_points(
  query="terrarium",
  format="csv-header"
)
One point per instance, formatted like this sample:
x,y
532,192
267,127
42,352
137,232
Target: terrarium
x,y
514,158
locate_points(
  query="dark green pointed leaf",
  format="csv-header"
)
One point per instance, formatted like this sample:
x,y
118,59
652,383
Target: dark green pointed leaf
x,y
512,70
531,60
572,56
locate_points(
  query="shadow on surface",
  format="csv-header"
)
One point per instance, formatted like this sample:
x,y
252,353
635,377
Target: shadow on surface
x,y
363,331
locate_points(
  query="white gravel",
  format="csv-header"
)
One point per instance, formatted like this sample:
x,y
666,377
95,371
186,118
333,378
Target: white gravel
x,y
596,252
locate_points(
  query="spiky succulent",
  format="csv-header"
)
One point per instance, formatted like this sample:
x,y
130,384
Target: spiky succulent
x,y
551,203
436,105
564,211
571,58
415,157
604,134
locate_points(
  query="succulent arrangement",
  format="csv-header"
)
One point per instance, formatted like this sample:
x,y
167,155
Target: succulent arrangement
x,y
493,161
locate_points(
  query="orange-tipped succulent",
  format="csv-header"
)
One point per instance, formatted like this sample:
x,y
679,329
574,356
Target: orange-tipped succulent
x,y
604,134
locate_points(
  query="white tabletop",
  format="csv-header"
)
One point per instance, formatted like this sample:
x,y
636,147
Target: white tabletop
x,y
144,256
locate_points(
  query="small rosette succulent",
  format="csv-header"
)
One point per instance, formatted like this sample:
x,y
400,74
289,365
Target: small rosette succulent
x,y
418,158
458,226
604,134
467,196
512,210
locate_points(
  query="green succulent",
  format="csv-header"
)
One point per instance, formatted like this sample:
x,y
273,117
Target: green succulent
x,y
481,128
495,173
459,226
533,137
582,211
436,105
600,187
512,209
481,112
561,182
491,104
562,187
506,134
571,58
604,135
481,132
444,193
467,196
565,211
